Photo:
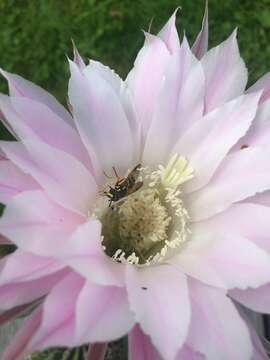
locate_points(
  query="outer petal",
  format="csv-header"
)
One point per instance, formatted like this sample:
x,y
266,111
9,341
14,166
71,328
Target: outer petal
x,y
36,224
241,175
96,351
259,352
24,292
123,92
57,325
246,219
100,119
108,314
4,241
224,260
225,71
106,73
83,252
178,105
63,177
140,346
259,132
33,120
210,139
262,84
256,299
200,45
224,335
186,353
145,79
16,350
21,87
13,181
23,266
261,198
169,34
158,296
77,57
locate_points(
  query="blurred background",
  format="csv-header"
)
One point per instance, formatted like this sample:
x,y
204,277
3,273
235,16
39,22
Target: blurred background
x,y
35,37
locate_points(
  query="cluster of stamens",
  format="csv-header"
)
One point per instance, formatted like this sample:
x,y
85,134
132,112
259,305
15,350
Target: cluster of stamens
x,y
145,226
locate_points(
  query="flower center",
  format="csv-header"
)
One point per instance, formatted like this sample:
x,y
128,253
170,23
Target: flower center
x,y
146,226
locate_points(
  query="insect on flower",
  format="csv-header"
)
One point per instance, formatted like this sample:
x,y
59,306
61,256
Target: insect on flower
x,y
124,186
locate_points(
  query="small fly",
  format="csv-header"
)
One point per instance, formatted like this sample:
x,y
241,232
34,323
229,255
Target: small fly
x,y
124,186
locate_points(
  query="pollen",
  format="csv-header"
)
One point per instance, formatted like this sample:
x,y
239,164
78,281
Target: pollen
x,y
149,225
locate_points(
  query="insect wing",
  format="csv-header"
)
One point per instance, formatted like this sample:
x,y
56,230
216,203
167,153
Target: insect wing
x,y
134,188
135,172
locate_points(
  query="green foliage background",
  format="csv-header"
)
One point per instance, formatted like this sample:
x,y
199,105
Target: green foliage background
x,y
35,35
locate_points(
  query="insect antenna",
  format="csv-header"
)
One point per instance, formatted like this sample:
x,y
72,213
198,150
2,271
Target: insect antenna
x,y
107,176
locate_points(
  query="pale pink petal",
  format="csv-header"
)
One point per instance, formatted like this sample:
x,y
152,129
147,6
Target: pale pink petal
x,y
23,292
146,78
57,327
246,219
33,120
213,258
101,119
261,198
63,177
4,240
107,74
96,351
25,266
77,57
242,174
256,299
159,299
259,352
259,132
262,84
36,224
208,141
225,71
186,353
140,346
102,313
200,45
7,315
5,122
13,181
17,348
169,34
216,329
179,105
83,252
18,86
123,92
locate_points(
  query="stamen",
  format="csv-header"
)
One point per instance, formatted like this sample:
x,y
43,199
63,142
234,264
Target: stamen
x,y
177,172
146,226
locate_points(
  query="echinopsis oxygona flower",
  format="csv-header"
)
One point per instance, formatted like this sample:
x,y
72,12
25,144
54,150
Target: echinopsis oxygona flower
x,y
184,150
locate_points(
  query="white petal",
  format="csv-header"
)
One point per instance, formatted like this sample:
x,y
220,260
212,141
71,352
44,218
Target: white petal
x,y
63,177
159,299
100,119
224,260
208,141
241,175
217,330
225,71
102,313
